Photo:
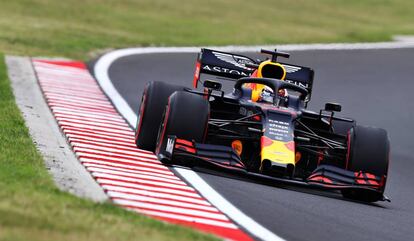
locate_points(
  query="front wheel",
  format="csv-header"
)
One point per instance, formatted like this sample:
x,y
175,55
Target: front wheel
x,y
368,152
186,117
149,117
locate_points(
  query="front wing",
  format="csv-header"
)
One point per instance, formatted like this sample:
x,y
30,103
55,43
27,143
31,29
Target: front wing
x,y
191,154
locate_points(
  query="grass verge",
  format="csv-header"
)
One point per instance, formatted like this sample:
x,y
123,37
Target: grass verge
x,y
73,28
32,208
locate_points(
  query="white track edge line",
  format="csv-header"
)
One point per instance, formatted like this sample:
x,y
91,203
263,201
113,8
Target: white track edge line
x,y
101,69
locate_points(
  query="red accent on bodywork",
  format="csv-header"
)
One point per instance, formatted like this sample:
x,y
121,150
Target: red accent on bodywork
x,y
290,145
196,74
372,182
185,148
254,74
321,179
266,141
371,179
360,178
361,181
183,142
257,118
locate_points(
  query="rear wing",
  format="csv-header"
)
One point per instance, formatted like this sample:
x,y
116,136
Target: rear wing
x,y
233,66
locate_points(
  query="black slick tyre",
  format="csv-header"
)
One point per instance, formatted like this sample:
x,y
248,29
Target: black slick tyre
x,y
150,112
186,117
369,149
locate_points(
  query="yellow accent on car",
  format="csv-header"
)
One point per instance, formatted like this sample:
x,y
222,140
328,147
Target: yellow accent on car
x,y
269,69
278,152
256,91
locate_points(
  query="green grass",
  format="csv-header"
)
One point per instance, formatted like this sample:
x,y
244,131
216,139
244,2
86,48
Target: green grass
x,y
32,208
74,28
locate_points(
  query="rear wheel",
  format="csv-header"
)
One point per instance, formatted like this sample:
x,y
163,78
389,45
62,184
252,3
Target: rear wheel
x,y
186,116
149,118
368,152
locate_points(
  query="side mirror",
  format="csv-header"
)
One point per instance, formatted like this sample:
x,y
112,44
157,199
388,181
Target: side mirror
x,y
333,107
212,85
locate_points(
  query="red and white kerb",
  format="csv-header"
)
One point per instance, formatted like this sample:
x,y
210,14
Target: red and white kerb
x,y
104,144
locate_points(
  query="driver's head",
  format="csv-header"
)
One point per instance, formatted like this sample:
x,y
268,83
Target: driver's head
x,y
260,92
266,95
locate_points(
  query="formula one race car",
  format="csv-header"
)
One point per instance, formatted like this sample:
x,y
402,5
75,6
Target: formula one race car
x,y
262,128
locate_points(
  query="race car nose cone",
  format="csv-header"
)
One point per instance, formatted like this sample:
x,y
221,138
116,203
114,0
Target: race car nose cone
x,y
277,169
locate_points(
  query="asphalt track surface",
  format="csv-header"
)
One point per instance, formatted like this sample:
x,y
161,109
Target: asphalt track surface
x,y
374,86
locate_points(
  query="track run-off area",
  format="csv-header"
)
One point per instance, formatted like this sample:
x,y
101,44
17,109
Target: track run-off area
x,y
374,84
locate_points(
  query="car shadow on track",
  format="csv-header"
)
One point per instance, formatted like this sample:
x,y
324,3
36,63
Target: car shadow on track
x,y
333,194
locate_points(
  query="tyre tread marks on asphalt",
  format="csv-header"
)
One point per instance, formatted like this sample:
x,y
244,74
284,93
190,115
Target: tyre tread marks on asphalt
x,y
132,178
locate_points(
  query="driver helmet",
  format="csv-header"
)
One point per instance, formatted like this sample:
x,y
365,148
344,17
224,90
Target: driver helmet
x,y
262,93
